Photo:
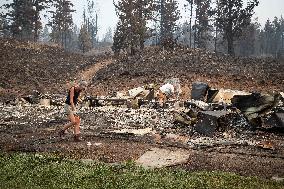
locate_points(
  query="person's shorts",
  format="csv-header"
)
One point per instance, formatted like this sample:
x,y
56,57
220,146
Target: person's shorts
x,y
68,110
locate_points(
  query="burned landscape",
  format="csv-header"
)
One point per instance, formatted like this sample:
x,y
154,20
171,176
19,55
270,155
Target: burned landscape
x,y
229,116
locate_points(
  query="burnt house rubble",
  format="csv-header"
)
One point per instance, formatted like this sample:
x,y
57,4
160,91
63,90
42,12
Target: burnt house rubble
x,y
210,112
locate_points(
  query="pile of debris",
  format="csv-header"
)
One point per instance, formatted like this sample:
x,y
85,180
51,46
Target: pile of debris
x,y
212,117
212,110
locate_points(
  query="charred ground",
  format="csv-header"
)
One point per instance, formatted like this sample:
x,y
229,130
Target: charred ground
x,y
26,67
29,128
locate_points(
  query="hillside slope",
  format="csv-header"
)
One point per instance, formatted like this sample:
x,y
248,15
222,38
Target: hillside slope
x,y
189,65
29,66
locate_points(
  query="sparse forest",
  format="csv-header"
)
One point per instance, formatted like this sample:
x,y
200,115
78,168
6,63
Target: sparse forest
x,y
216,25
23,20
221,26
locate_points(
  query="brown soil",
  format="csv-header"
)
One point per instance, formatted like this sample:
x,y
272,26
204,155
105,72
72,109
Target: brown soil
x,y
26,67
241,160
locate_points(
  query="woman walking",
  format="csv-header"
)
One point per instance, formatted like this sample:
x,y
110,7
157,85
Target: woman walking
x,y
70,108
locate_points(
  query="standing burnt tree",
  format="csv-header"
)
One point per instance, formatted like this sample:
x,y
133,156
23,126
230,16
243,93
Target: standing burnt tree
x,y
190,21
169,16
39,6
131,30
91,21
202,23
233,18
61,22
247,44
119,38
272,38
23,18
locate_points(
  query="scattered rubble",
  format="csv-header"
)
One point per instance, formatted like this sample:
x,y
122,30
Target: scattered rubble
x,y
131,112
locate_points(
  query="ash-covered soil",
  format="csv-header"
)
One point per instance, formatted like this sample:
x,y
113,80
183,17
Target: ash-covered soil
x,y
109,136
26,67
190,65
114,135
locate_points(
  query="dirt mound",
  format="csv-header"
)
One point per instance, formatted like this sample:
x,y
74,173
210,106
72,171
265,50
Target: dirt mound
x,y
155,65
30,66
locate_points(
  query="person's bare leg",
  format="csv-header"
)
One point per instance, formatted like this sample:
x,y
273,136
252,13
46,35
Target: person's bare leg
x,y
72,122
68,125
77,129
77,125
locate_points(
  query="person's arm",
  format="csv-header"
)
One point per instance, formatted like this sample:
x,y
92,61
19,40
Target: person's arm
x,y
71,98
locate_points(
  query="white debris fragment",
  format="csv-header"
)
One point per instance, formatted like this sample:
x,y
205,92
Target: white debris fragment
x,y
135,131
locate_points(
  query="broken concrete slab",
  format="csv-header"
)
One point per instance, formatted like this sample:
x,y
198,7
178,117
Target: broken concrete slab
x,y
256,104
136,91
199,91
226,95
208,122
158,158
